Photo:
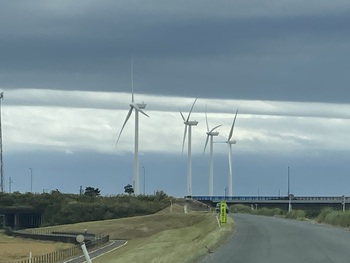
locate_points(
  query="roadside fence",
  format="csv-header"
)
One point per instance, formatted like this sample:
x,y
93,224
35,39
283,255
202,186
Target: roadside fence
x,y
91,241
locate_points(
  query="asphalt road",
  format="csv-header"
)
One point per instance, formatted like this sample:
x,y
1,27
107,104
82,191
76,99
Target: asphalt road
x,y
259,239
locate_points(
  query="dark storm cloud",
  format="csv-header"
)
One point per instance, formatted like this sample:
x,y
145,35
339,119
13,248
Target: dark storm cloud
x,y
88,47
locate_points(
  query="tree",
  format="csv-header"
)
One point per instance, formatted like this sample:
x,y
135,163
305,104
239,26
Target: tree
x,y
160,195
91,191
129,189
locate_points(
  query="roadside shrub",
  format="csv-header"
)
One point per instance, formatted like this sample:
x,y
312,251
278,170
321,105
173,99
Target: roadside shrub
x,y
241,209
312,213
268,211
324,212
296,214
338,218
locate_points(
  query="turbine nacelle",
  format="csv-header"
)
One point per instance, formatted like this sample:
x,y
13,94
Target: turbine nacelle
x,y
191,123
138,105
213,133
231,142
188,123
142,105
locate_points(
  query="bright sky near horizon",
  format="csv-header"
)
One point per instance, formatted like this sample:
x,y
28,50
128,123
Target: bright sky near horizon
x,y
65,73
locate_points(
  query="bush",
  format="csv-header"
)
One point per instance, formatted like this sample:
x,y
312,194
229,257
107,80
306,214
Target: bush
x,y
241,209
324,212
58,208
338,218
296,214
268,211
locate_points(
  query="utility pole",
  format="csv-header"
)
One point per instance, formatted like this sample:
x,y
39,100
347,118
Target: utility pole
x,y
31,180
289,195
288,182
1,159
10,183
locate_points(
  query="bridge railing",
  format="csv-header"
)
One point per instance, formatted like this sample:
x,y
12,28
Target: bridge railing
x,y
271,198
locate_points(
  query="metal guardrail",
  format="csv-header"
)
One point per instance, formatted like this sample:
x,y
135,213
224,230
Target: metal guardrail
x,y
92,241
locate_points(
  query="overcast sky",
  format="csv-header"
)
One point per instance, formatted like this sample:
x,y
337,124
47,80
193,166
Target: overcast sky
x,y
65,69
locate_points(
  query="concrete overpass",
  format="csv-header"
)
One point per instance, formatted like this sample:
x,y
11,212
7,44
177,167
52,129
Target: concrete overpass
x,y
19,217
297,202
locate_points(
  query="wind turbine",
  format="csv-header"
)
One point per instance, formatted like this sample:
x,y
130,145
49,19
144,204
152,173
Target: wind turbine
x,y
139,107
229,144
188,123
210,134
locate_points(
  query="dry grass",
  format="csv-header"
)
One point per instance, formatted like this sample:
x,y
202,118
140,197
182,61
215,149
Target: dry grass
x,y
163,237
138,226
15,249
181,243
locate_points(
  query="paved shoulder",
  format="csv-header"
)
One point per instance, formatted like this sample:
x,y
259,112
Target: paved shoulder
x,y
110,246
274,240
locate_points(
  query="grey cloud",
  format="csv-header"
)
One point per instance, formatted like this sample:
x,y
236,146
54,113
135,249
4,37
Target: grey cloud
x,y
179,53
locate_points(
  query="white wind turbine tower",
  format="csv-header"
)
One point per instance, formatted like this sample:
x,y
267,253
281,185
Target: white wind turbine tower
x,y
138,108
210,134
188,123
229,144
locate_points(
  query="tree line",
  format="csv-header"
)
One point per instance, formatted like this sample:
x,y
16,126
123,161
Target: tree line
x,y
61,208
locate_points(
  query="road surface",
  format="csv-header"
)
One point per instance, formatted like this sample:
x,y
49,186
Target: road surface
x,y
112,245
259,239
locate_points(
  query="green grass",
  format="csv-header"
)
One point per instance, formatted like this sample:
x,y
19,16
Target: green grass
x,y
327,215
166,236
296,214
324,212
268,211
260,211
338,218
178,245
241,209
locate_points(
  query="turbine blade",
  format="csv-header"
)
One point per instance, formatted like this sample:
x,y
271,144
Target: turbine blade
x,y
132,79
126,120
139,109
206,117
206,143
233,125
188,118
182,116
215,128
184,139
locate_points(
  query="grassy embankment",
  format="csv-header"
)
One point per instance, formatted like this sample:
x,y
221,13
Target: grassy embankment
x,y
163,237
15,249
327,215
